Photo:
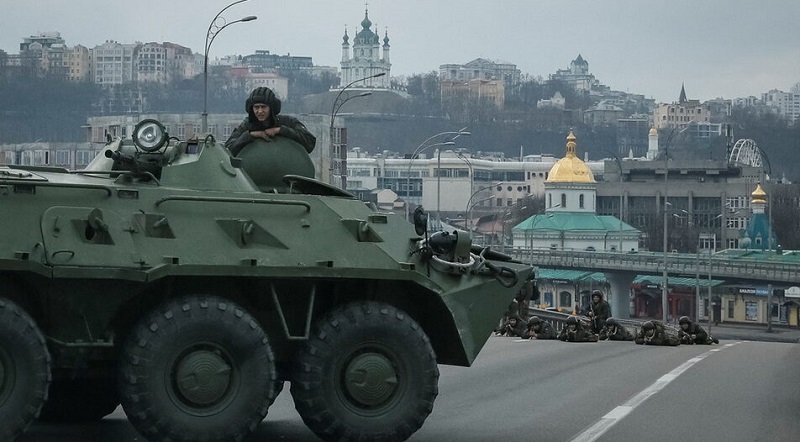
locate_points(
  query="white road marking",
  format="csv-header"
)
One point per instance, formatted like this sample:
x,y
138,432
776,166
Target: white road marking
x,y
593,432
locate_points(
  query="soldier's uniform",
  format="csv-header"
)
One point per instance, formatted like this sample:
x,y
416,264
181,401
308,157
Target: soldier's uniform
x,y
654,333
539,329
691,333
575,331
599,311
513,327
614,331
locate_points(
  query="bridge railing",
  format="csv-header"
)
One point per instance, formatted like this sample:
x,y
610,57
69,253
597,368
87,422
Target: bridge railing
x,y
653,262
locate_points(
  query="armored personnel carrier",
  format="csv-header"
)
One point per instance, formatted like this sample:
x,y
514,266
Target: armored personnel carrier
x,y
188,285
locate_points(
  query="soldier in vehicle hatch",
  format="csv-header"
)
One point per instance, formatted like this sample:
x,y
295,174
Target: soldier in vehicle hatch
x,y
614,331
654,333
691,333
539,329
575,331
263,121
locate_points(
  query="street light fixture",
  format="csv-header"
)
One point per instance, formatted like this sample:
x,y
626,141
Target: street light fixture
x,y
338,158
423,147
215,27
506,213
468,208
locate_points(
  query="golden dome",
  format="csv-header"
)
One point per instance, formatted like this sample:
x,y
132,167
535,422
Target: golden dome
x,y
570,169
759,196
653,132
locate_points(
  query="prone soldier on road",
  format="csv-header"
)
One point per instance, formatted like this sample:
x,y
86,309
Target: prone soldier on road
x,y
614,331
654,333
539,329
576,331
691,333
514,326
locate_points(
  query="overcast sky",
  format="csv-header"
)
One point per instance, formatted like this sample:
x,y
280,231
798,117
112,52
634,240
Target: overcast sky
x,y
718,48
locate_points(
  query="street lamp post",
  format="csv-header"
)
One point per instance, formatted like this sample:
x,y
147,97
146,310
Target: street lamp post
x,y
425,146
468,208
421,148
503,225
471,176
664,276
664,281
215,27
338,158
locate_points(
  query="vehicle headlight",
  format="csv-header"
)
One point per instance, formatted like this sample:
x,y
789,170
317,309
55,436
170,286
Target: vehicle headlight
x,y
149,135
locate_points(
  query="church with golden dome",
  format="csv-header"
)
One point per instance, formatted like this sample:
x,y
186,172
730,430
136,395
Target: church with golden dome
x,y
759,234
570,221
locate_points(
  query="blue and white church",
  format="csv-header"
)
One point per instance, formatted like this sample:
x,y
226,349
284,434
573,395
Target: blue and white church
x,y
366,57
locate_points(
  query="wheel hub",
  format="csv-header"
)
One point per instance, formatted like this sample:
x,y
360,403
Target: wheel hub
x,y
202,377
370,379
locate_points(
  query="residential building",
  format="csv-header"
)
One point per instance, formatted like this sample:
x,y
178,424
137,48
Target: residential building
x,y
482,69
79,65
479,90
113,63
785,104
264,61
577,75
678,115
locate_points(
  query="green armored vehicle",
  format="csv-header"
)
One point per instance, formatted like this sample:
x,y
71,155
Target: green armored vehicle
x,y
188,285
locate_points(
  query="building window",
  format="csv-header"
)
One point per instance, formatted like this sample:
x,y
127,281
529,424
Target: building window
x,y
550,200
580,201
565,300
499,202
731,306
563,200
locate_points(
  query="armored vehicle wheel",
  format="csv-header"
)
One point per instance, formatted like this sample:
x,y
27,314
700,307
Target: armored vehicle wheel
x,y
368,373
24,370
197,369
80,400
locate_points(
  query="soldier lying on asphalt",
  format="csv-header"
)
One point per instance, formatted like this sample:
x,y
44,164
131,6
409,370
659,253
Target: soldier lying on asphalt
x,y
614,331
514,326
576,331
654,333
538,329
691,333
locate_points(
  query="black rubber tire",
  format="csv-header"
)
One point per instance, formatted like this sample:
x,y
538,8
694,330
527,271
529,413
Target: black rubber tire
x,y
24,370
377,343
80,400
197,369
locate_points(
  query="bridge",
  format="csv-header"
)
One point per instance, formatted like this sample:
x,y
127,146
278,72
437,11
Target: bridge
x,y
620,268
720,266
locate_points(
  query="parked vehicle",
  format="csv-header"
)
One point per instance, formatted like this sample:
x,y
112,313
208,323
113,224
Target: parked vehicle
x,y
174,279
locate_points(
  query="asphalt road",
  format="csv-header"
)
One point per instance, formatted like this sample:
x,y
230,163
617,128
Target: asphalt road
x,y
576,392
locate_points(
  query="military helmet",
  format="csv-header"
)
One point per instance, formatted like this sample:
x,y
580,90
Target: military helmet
x,y
572,320
535,320
263,95
611,321
597,293
684,320
649,325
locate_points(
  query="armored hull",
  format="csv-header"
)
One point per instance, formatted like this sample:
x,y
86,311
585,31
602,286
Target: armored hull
x,y
168,276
